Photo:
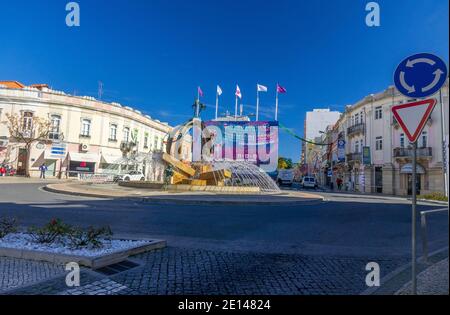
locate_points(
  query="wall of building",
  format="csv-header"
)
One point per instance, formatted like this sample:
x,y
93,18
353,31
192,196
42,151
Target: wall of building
x,y
72,111
384,173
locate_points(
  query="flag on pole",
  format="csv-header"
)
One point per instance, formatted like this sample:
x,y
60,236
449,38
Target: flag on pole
x,y
238,92
219,90
261,88
281,89
200,92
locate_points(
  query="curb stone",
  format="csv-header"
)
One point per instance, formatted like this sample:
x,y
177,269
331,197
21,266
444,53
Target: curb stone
x,y
162,200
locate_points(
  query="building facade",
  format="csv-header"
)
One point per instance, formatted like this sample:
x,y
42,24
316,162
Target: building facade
x,y
86,136
315,124
375,155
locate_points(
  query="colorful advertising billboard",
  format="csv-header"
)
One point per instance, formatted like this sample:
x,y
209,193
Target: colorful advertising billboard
x,y
254,142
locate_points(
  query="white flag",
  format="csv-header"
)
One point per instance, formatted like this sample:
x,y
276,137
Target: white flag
x,y
261,88
219,91
238,92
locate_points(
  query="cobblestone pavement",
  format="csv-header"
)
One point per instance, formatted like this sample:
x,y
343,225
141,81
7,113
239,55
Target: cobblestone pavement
x,y
173,271
433,281
187,271
15,272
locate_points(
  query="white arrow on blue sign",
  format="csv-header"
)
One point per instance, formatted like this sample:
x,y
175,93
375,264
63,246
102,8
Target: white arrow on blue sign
x,y
420,75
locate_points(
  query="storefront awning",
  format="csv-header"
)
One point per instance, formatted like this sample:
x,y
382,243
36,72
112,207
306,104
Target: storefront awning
x,y
111,159
84,157
407,169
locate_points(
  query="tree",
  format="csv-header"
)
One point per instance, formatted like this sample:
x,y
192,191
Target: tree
x,y
284,163
28,129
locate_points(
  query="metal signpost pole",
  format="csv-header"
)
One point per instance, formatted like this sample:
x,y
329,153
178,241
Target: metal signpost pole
x,y
444,145
414,202
409,81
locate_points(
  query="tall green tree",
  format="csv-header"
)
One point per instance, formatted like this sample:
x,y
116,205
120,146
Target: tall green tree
x,y
284,163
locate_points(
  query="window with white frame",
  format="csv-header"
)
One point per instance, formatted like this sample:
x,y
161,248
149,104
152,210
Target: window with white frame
x,y
27,121
402,140
126,134
356,119
113,132
361,115
55,126
146,140
86,128
357,146
155,146
378,112
424,139
379,143
361,143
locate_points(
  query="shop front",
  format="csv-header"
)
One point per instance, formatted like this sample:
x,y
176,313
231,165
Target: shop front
x,y
406,178
82,163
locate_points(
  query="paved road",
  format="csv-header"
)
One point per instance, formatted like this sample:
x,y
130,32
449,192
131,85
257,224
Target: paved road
x,y
341,226
315,248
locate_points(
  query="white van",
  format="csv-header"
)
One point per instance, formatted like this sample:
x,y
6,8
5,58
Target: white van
x,y
309,182
285,177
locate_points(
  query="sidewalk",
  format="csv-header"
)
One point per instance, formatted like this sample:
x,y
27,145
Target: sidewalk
x,y
432,277
27,180
378,195
432,281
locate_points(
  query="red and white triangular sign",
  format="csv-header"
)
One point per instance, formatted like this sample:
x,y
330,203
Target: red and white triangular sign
x,y
412,117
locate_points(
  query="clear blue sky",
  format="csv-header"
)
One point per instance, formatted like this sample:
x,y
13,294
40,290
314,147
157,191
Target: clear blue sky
x,y
153,54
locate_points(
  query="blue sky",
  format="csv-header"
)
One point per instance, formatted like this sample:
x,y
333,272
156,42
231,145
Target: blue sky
x,y
153,54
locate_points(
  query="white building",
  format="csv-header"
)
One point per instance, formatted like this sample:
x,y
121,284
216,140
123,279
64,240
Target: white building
x,y
386,167
316,122
87,135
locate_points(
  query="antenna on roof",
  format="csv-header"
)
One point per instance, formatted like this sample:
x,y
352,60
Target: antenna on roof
x,y
100,90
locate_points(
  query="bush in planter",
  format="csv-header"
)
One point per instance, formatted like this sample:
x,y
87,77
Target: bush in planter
x,y
49,233
89,238
8,226
434,196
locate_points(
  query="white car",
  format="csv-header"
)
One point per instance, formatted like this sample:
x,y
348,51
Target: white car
x,y
309,182
130,176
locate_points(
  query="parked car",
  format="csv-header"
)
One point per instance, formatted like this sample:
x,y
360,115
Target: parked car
x,y
285,177
130,176
309,182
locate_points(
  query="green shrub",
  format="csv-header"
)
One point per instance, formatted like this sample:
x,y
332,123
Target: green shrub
x,y
434,196
89,238
8,226
50,232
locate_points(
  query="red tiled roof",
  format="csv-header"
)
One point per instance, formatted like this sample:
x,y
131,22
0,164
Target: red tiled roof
x,y
12,84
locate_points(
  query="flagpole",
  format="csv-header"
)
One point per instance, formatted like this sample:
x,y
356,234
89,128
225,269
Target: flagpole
x,y
276,105
257,104
236,108
217,103
197,113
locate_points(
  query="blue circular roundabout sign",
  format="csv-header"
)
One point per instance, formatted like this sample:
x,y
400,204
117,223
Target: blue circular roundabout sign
x,y
420,75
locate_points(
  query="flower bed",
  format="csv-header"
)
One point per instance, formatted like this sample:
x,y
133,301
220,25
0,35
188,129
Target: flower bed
x,y
59,242
25,241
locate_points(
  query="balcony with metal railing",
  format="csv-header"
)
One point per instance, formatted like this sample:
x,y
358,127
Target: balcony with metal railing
x,y
354,157
355,129
406,153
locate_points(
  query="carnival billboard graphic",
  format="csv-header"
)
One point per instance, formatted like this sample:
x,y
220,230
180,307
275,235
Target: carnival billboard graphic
x,y
254,142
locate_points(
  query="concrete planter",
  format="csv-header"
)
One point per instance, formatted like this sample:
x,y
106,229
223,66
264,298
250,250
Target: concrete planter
x,y
87,261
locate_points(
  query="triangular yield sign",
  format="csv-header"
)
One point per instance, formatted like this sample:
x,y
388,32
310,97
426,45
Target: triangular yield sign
x,y
412,117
